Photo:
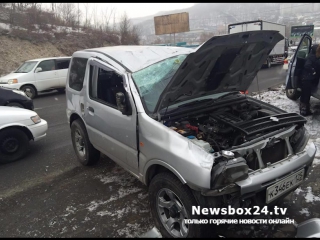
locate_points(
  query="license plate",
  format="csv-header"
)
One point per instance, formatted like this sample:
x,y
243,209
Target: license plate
x,y
283,186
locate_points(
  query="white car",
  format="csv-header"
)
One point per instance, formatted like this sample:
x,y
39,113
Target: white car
x,y
38,75
17,127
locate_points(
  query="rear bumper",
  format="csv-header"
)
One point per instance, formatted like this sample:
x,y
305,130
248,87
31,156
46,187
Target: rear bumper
x,y
39,130
263,178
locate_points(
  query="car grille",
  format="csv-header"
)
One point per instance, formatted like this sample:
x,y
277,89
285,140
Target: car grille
x,y
274,153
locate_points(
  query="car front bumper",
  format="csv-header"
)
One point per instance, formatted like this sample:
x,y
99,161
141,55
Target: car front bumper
x,y
12,86
39,130
265,177
28,104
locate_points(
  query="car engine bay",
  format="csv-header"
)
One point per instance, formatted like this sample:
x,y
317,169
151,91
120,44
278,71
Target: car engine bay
x,y
231,126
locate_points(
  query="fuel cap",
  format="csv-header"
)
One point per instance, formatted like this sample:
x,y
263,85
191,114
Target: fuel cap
x,y
227,154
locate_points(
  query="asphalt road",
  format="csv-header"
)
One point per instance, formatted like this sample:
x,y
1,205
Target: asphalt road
x,y
48,193
268,77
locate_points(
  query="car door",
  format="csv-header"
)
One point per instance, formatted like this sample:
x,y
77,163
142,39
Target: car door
x,y
62,66
48,77
109,130
296,63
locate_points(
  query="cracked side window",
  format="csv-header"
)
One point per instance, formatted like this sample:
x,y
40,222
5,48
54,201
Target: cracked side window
x,y
152,80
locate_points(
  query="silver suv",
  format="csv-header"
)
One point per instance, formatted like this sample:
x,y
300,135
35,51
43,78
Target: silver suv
x,y
174,118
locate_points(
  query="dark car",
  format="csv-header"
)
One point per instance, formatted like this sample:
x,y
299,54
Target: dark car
x,y
15,98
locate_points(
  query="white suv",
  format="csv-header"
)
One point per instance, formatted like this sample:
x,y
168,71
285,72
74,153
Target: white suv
x,y
38,75
174,118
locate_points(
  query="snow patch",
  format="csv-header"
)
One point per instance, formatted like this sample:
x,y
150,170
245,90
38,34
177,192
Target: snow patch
x,y
5,26
305,211
122,192
118,213
298,190
310,197
130,231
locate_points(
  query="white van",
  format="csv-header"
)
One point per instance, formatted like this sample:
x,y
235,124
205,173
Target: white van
x,y
38,75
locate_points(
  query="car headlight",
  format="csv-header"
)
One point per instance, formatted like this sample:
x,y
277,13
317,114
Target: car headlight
x,y
19,92
229,171
299,140
12,81
36,119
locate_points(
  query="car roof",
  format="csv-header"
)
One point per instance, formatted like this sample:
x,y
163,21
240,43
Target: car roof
x,y
135,58
41,59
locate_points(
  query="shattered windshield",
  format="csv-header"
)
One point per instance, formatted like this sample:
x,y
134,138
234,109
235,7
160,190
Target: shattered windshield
x,y
152,80
26,67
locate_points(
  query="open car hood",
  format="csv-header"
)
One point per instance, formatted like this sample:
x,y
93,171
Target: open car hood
x,y
222,64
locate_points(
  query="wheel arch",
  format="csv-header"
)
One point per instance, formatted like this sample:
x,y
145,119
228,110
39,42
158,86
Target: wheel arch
x,y
21,127
74,116
32,85
155,167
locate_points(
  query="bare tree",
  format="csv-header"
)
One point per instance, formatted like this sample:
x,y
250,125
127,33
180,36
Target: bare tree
x,y
87,21
135,34
33,14
205,36
114,25
107,14
68,13
124,29
12,12
95,16
2,5
78,16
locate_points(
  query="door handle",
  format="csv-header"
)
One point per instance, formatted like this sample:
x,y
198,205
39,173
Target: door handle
x,y
90,109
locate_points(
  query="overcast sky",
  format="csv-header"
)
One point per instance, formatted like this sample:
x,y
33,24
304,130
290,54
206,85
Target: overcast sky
x,y
135,10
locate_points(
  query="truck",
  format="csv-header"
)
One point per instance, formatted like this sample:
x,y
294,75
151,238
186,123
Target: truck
x,y
278,53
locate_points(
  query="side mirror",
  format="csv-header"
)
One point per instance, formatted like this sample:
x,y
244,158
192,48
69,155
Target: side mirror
x,y
121,103
291,42
38,69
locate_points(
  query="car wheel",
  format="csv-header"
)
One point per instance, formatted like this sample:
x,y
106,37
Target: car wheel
x,y
61,90
14,144
30,91
293,94
86,153
171,203
14,104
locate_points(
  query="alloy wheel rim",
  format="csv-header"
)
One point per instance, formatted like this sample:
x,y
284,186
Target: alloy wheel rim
x,y
172,213
28,92
79,143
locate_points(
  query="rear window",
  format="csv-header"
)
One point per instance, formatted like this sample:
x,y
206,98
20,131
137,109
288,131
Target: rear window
x,y
77,72
63,64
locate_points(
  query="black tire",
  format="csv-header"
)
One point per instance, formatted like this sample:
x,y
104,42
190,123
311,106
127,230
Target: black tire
x,y
89,155
293,94
14,144
15,104
167,181
29,90
61,90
